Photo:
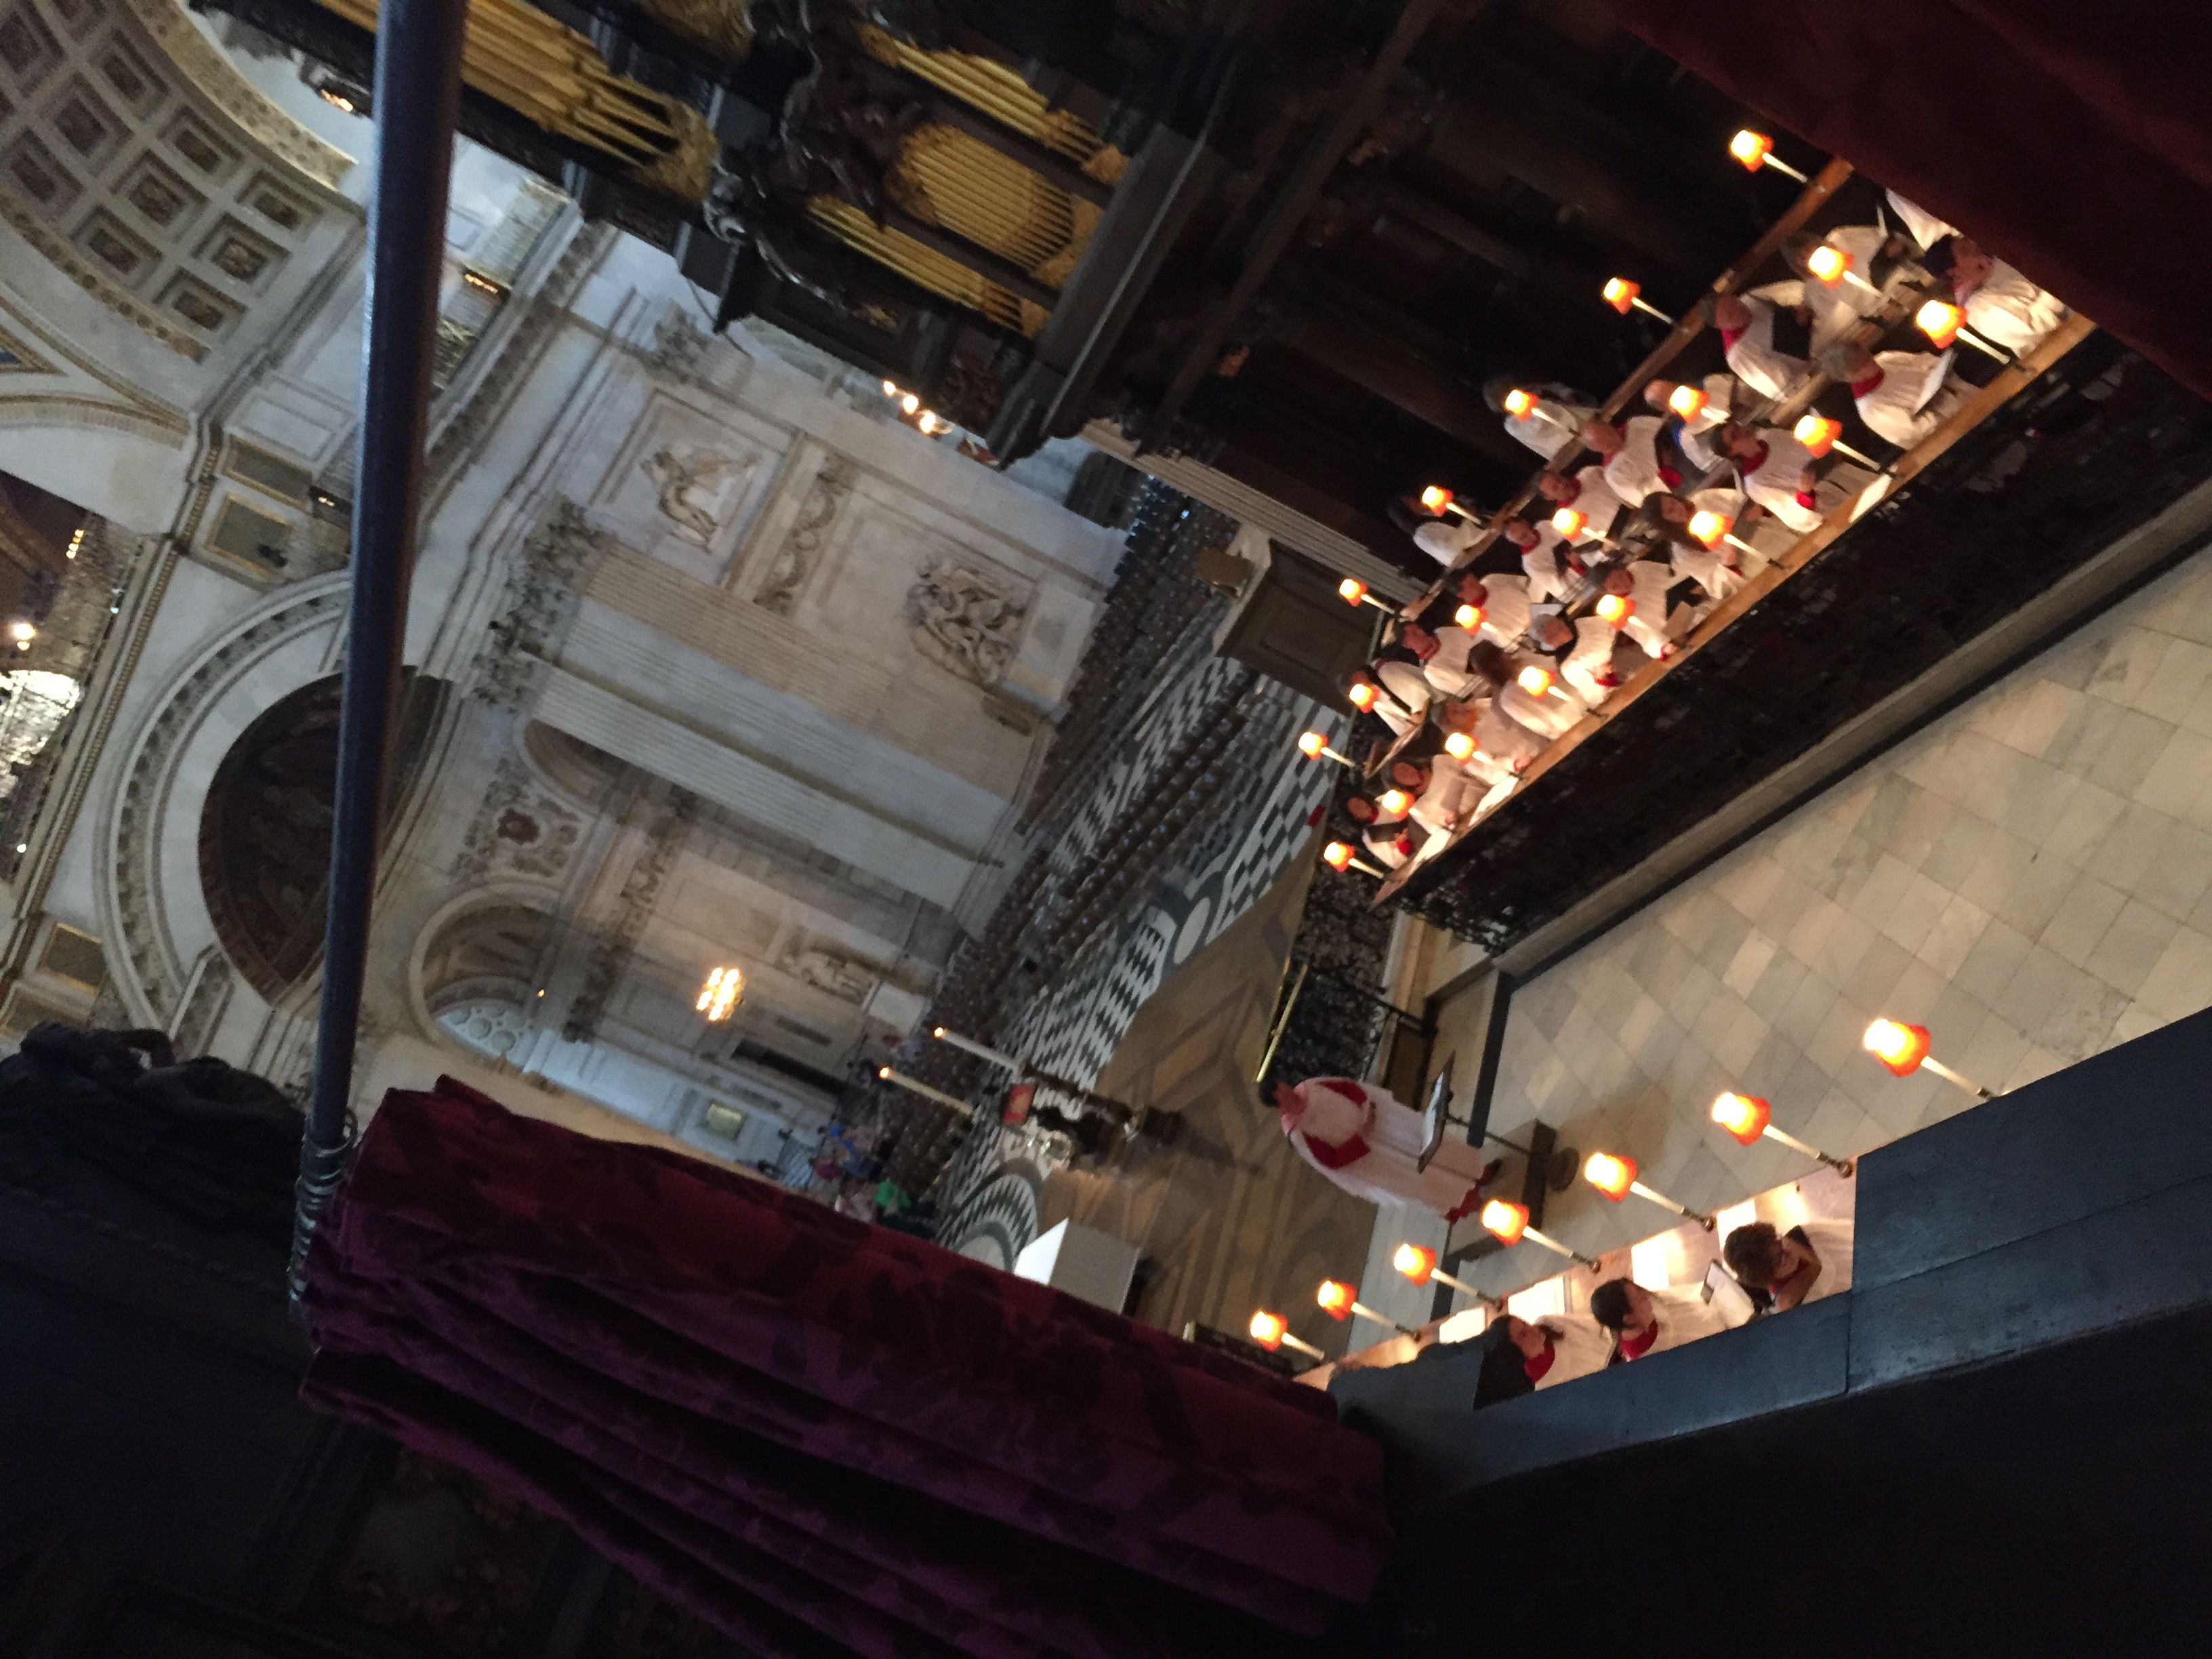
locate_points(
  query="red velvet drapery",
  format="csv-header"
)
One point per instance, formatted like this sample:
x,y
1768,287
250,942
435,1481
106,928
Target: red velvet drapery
x,y
827,1438
2075,140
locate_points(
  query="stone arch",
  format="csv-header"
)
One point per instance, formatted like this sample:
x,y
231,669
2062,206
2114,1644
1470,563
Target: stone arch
x,y
264,827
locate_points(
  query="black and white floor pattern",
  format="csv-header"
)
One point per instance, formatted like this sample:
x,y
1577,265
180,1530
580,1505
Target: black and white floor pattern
x,y
1073,1027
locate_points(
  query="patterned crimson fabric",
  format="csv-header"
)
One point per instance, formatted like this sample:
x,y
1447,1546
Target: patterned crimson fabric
x,y
826,1438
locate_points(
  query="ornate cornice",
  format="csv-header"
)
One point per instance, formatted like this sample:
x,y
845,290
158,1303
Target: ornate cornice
x,y
74,265
221,85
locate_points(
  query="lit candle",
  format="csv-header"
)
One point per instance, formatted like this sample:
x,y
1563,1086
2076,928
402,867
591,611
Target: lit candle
x,y
1828,262
1939,322
1352,590
1615,1177
1339,1301
1508,1224
1419,1264
1615,608
1338,856
1569,522
1621,294
1756,151
1904,1049
1469,616
1534,680
1313,745
1460,745
1362,695
1747,1117
1437,499
915,1086
1712,529
1819,435
1688,401
1393,801
1271,1331
1519,403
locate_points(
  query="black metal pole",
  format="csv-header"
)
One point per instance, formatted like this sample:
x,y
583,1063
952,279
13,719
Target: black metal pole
x,y
418,88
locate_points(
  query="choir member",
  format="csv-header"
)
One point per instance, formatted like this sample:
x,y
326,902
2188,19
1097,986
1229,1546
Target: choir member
x,y
1643,585
1589,494
1550,568
1394,709
1766,335
1777,471
1445,790
1695,434
1923,227
1505,602
1550,426
1902,396
1650,1322
1807,1262
1443,654
1875,255
2000,305
1585,651
1444,539
1641,455
1559,1347
1364,1140
1719,568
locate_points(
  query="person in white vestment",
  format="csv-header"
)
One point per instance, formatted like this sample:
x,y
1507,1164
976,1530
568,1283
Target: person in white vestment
x,y
1874,255
2000,305
1923,227
1559,1347
1554,714
1504,739
1548,565
1505,602
1548,428
1643,585
1585,651
1777,471
1650,1322
1641,456
1444,539
1902,396
1399,673
1444,655
1811,1260
1748,323
1719,568
1445,790
1587,493
1385,705
1695,434
1364,1140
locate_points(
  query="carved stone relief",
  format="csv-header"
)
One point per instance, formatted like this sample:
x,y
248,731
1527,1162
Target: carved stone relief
x,y
800,550
967,617
698,490
807,959
519,830
544,587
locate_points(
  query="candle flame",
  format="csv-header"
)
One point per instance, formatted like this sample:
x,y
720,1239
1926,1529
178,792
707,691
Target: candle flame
x,y
1335,1297
1709,527
1828,262
1268,1330
1519,402
1469,616
1362,695
1939,322
1504,1221
1609,1174
1436,498
1393,801
1536,681
1569,522
1620,293
1458,745
1615,608
1751,149
1744,1116
1337,855
1351,590
1688,401
1897,1045
1310,744
1414,1261
1818,434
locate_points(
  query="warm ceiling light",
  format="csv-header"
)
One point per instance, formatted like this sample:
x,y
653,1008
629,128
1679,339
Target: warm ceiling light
x,y
1458,745
1536,681
1569,522
22,630
1939,322
1337,855
1611,1176
1335,1297
1393,801
1828,262
1469,616
1752,148
1362,695
1688,401
1504,1222
1519,403
1351,590
891,389
720,994
1744,1116
1615,608
1415,1262
910,402
1436,498
1310,744
1268,1330
1897,1045
1710,528
1620,293
1818,434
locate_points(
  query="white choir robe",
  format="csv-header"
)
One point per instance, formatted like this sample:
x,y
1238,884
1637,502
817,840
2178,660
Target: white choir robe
x,y
1596,502
1902,407
1684,1316
1505,612
1546,575
1832,1242
2009,311
1752,355
1580,1347
1364,1140
1413,692
1773,485
1445,539
1451,794
1381,843
1923,227
1505,739
1548,716
1837,309
1647,624
1548,437
1587,668
1633,471
1447,671
1697,441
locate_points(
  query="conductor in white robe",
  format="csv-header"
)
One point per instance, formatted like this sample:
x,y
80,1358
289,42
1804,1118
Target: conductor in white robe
x,y
1364,1140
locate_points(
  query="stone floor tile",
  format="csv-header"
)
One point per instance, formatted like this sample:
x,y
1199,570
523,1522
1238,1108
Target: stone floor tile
x,y
2131,946
2180,774
1996,957
1751,960
2088,908
2181,983
2084,822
